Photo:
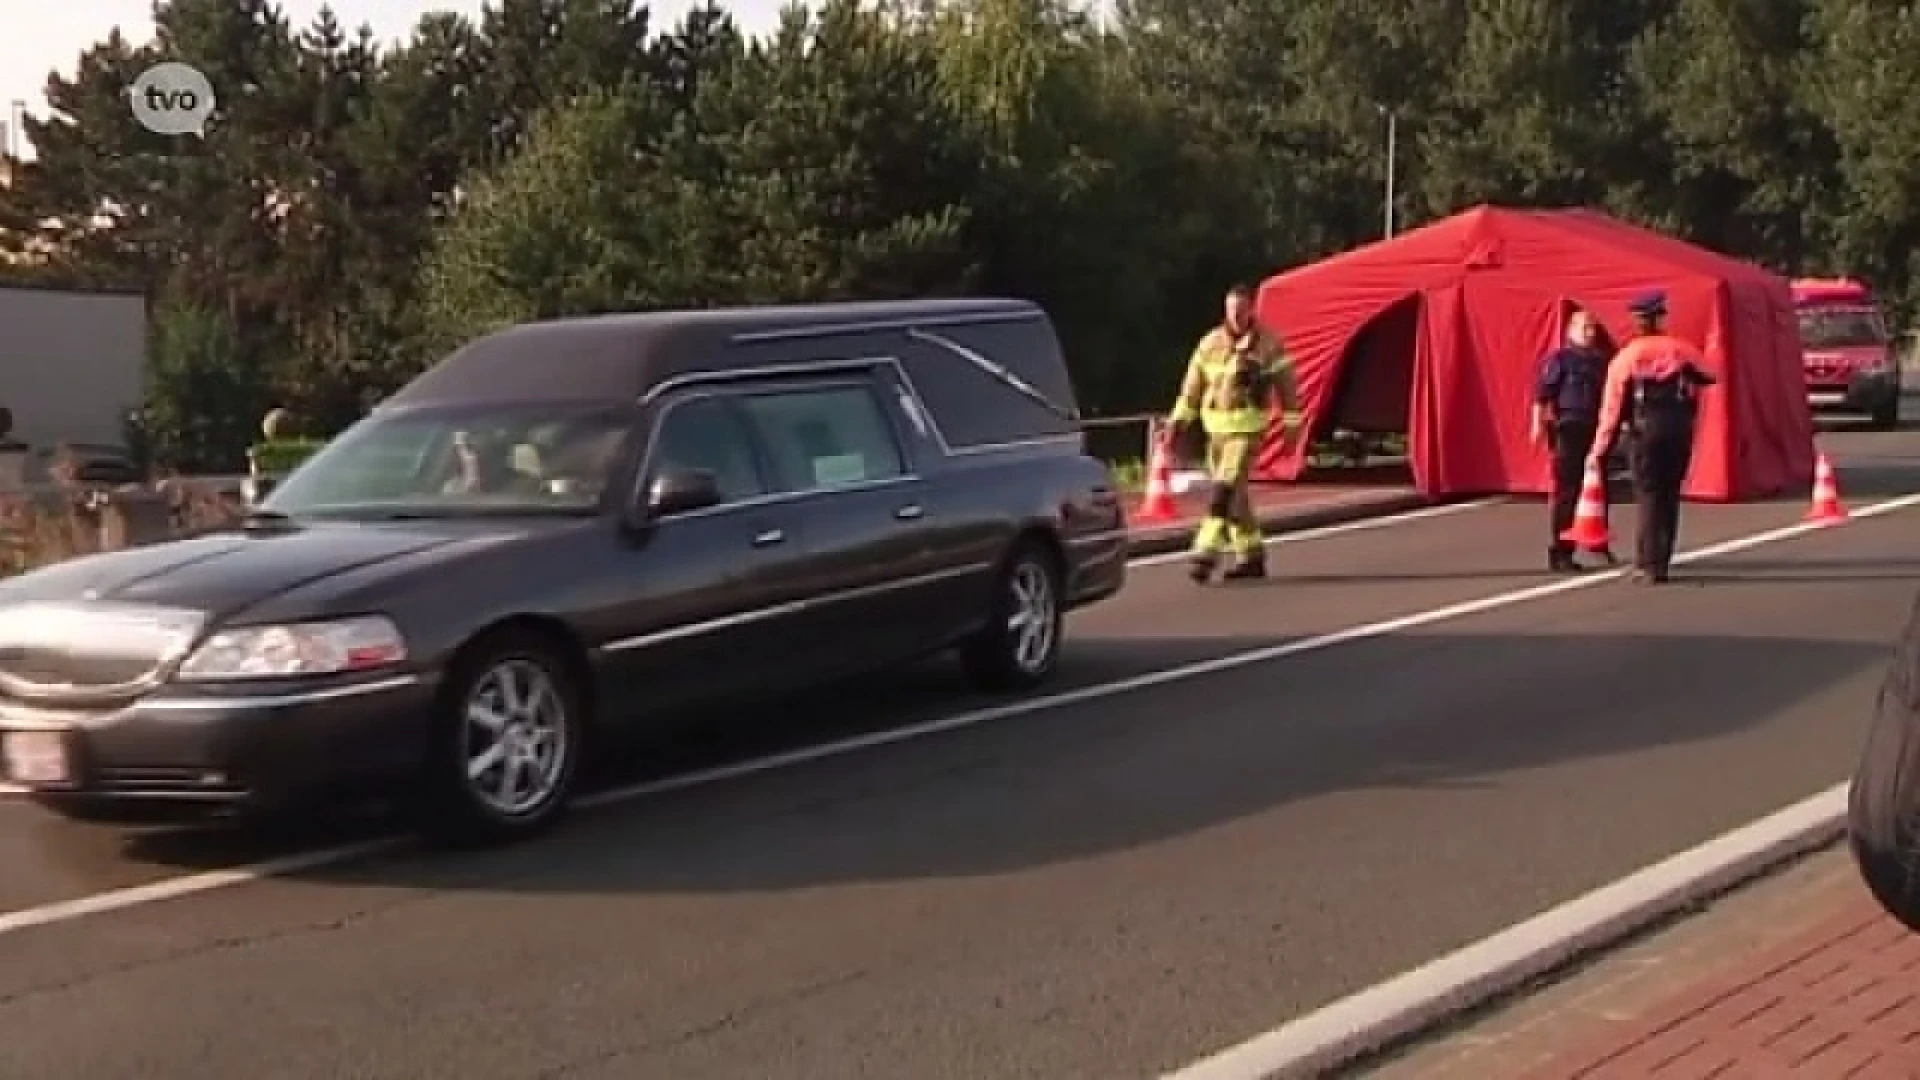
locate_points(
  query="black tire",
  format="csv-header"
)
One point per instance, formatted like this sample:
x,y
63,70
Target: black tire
x,y
1005,655
466,810
1887,416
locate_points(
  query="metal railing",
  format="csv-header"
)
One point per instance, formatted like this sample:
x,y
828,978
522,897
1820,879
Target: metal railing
x,y
1119,438
1127,439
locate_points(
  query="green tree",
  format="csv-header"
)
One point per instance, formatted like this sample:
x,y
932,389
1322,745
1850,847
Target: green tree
x,y
206,397
1860,76
1752,167
548,233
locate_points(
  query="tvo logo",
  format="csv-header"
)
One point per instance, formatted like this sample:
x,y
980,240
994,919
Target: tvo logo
x,y
172,99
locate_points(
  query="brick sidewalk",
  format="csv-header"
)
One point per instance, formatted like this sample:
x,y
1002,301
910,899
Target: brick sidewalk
x,y
1800,976
1840,1000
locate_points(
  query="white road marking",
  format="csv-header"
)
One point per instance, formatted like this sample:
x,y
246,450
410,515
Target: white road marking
x,y
174,888
1332,1036
1324,532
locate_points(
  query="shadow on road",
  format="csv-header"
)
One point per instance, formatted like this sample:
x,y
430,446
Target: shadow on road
x,y
1438,711
1745,571
1876,479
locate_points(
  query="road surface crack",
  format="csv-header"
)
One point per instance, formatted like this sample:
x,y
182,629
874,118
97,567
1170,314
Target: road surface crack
x,y
733,1018
202,948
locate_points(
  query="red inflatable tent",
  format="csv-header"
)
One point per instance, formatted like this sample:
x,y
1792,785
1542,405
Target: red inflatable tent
x,y
1439,332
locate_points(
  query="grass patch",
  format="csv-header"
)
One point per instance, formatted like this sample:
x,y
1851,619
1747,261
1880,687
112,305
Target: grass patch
x,y
1129,473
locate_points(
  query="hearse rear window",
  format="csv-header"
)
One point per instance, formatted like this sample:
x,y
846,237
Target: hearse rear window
x,y
825,438
972,408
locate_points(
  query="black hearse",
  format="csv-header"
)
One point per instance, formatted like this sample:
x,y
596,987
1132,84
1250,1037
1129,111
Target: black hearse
x,y
576,525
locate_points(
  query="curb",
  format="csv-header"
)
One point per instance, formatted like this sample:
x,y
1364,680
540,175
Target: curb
x,y
1311,514
1380,1016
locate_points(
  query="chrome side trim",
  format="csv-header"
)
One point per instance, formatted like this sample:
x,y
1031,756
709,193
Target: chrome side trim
x,y
1021,444
921,408
801,333
278,701
1105,536
722,381
791,607
761,502
855,365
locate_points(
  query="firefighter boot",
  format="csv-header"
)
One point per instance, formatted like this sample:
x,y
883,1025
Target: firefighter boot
x,y
1251,567
1204,557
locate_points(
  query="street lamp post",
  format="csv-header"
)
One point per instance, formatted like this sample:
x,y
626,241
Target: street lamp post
x,y
1393,150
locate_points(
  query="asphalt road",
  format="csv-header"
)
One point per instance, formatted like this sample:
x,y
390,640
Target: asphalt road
x,y
1103,889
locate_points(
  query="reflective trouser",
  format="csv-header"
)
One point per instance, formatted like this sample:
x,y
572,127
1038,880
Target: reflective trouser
x,y
1661,455
1230,524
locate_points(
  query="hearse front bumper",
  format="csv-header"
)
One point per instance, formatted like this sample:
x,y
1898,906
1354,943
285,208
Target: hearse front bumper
x,y
266,744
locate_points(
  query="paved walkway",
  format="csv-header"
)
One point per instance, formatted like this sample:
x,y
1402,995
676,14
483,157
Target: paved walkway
x,y
1800,977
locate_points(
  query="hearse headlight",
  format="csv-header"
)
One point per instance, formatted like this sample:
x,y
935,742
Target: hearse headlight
x,y
334,647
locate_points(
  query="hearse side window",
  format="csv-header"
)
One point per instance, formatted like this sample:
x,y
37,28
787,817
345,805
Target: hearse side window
x,y
708,434
825,438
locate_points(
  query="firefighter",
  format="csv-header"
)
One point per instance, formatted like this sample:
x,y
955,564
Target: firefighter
x,y
1565,419
1236,373
1654,384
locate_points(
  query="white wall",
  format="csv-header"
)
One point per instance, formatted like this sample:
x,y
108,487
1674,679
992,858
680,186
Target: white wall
x,y
71,363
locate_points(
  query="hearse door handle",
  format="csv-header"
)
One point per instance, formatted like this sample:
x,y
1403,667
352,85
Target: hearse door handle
x,y
910,512
769,538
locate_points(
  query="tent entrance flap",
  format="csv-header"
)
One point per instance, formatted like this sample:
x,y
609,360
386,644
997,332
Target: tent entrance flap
x,y
1373,393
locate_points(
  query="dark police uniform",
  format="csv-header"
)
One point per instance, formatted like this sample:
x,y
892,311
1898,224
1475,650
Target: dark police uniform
x,y
1569,386
1654,383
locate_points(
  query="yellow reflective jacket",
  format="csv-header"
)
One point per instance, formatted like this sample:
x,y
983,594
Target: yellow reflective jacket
x,y
1230,380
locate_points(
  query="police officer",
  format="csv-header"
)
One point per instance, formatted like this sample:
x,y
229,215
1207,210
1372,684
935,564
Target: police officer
x,y
1655,380
1232,379
1565,418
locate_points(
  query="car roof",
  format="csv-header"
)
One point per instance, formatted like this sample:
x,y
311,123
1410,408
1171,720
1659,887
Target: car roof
x,y
619,357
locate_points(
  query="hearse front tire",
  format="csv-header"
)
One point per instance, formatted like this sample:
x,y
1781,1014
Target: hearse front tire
x,y
1019,648
507,744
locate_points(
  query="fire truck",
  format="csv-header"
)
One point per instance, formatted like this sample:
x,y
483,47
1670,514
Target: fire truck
x,y
1852,362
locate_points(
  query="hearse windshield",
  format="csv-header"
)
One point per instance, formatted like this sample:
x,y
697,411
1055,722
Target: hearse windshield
x,y
1839,328
507,458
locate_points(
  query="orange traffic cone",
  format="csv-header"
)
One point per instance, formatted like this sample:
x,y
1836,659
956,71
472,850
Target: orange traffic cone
x,y
1589,529
1826,509
1156,503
